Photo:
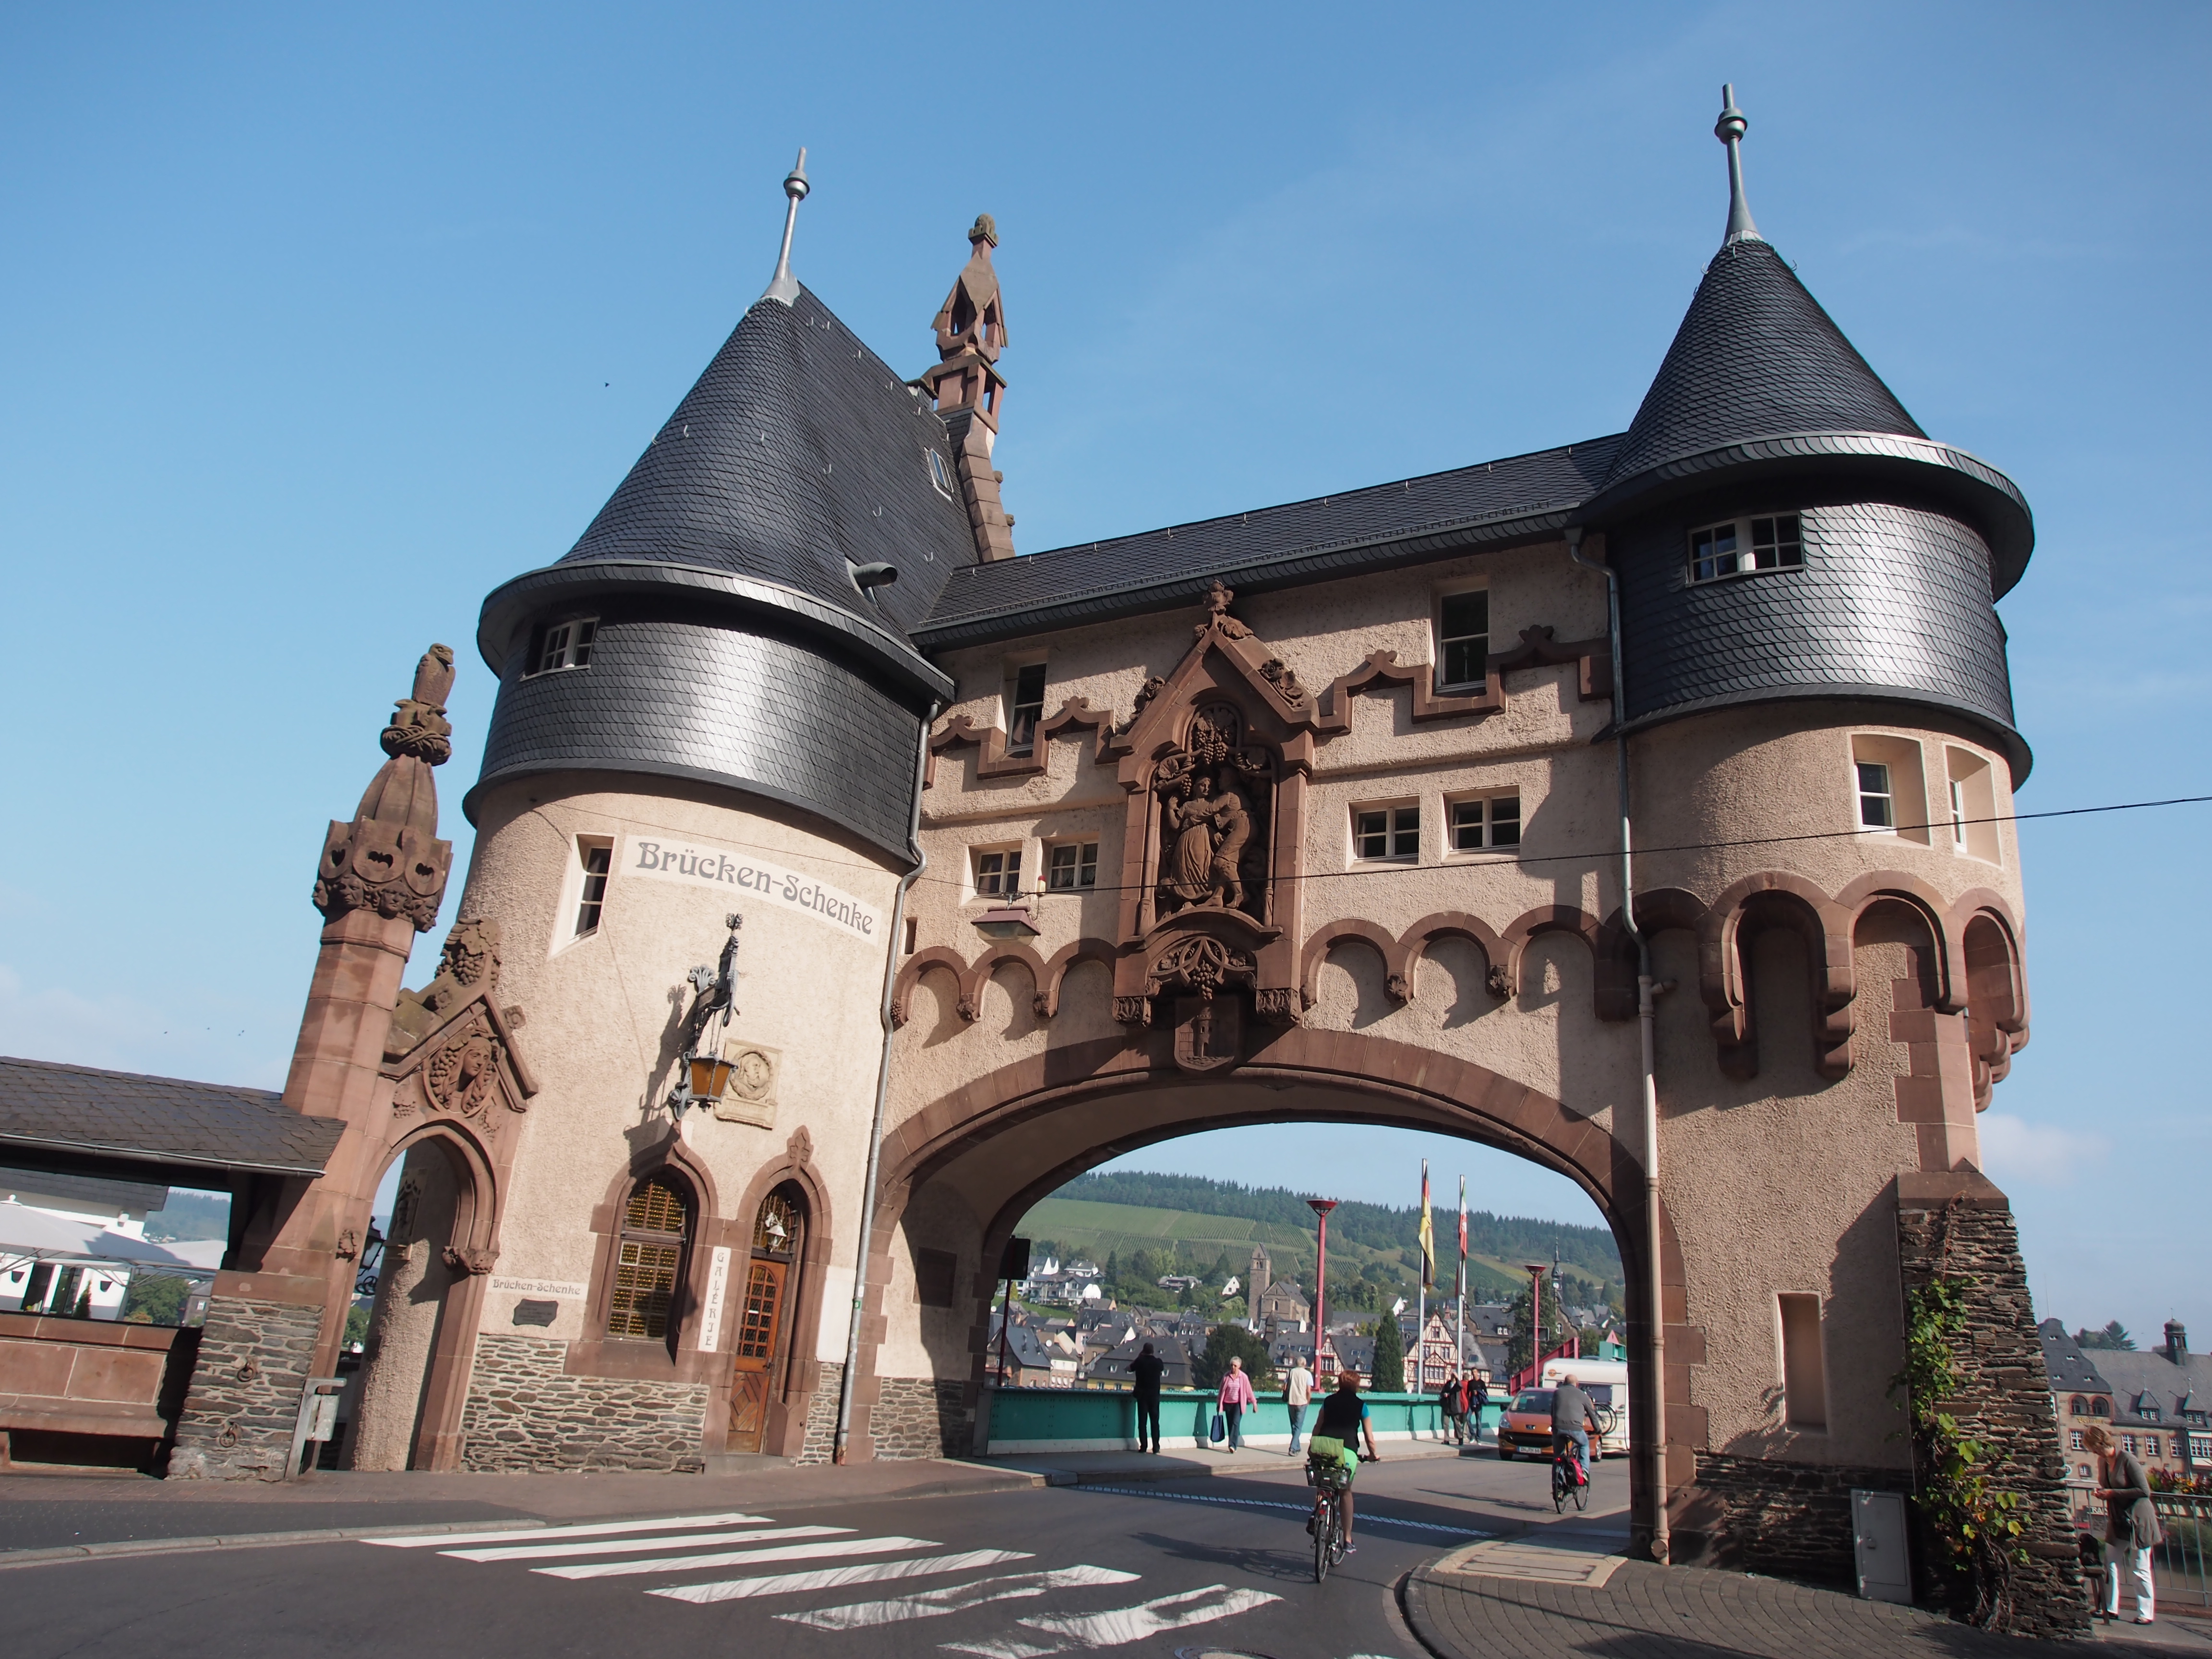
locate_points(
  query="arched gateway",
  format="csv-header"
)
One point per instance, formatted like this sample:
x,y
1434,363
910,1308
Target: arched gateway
x,y
852,883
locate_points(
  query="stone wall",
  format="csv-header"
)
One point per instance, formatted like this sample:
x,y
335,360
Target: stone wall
x,y
822,1415
244,1400
1961,1224
1783,1520
524,1413
919,1416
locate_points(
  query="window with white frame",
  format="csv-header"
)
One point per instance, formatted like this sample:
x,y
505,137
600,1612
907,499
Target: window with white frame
x,y
1025,706
998,872
2200,1448
564,645
1745,547
1487,823
1070,866
2073,1440
1877,802
940,475
1463,637
1386,832
595,856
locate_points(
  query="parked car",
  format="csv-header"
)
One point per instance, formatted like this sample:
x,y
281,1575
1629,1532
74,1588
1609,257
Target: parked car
x,y
1526,1425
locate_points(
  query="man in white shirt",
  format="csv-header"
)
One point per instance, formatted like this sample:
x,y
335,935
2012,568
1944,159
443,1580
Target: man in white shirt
x,y
1298,1394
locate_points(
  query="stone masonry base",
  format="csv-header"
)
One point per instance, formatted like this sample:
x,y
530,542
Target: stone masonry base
x,y
244,1400
919,1416
524,1413
1783,1520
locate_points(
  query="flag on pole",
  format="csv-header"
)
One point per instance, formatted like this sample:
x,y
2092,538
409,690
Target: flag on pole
x,y
1462,1237
1428,1235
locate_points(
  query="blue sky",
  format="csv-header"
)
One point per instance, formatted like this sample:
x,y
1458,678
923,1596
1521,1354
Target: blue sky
x,y
315,326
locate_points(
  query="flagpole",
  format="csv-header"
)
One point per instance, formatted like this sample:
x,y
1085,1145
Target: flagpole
x,y
1459,1335
1428,1272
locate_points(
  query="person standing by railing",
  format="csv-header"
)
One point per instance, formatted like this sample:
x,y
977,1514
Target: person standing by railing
x,y
2131,1523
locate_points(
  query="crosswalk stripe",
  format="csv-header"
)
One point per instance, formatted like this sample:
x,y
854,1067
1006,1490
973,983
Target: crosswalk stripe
x,y
741,1558
1120,1625
615,1546
864,1572
929,1604
666,1524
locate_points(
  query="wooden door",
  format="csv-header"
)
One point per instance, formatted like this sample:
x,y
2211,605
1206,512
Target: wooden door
x,y
753,1377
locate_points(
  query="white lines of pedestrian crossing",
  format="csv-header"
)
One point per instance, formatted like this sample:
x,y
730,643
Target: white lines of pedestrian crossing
x,y
671,1546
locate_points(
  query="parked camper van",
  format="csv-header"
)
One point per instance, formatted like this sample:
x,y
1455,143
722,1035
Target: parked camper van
x,y
1605,1383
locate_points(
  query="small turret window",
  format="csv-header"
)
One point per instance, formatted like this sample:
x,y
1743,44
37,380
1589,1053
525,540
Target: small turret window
x,y
1745,547
940,475
564,645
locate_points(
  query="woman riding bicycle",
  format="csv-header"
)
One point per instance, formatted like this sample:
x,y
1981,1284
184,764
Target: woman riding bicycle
x,y
1343,1420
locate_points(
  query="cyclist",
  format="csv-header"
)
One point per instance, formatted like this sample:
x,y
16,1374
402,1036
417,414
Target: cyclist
x,y
1342,1420
1573,1421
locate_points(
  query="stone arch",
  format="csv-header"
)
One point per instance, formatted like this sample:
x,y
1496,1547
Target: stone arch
x,y
997,956
1613,976
1934,910
1056,970
1413,945
1995,989
1514,942
911,971
1770,899
1064,1110
1330,934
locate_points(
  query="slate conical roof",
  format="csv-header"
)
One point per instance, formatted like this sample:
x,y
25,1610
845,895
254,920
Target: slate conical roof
x,y
797,454
1756,357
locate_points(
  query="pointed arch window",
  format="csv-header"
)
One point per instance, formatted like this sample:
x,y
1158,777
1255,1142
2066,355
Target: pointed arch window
x,y
656,1230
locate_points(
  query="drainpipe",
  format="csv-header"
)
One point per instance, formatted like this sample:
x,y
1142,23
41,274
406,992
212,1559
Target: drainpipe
x,y
883,1093
1646,993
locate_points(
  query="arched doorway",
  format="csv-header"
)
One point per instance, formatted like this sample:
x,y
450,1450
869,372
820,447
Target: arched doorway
x,y
762,1353
403,1407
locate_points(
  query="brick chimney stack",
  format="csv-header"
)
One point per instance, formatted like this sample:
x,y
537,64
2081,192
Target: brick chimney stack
x,y
969,390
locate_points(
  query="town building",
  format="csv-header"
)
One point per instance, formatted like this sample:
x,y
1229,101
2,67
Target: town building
x,y
952,873
2155,1404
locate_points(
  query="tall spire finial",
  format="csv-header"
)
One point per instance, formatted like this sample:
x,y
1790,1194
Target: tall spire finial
x,y
1729,130
783,287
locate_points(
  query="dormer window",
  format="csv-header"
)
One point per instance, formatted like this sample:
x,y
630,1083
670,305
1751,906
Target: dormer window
x,y
1745,547
564,645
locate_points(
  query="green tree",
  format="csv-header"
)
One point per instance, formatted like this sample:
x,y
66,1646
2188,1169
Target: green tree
x,y
2114,1336
357,1329
156,1299
1524,1346
1225,1342
1389,1355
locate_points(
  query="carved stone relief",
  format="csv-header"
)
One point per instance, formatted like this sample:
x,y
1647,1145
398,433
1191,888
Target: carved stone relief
x,y
1217,798
750,1096
1209,1032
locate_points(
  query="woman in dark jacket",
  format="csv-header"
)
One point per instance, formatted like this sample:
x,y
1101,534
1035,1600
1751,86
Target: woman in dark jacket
x,y
2131,1523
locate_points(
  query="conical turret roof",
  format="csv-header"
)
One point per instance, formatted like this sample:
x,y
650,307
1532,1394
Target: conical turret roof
x,y
798,455
1756,357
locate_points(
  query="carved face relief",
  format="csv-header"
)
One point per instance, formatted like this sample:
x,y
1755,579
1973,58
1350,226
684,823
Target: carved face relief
x,y
1217,798
461,1074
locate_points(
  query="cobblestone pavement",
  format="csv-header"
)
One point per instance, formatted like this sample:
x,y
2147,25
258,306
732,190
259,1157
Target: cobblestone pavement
x,y
1644,1612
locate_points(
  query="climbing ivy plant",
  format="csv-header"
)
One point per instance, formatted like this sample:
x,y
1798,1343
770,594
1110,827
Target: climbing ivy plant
x,y
1977,1529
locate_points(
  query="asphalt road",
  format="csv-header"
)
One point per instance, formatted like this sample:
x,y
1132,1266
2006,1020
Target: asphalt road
x,y
1221,1564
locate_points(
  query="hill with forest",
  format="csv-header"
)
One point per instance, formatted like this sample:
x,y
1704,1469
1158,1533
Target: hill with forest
x,y
1195,1224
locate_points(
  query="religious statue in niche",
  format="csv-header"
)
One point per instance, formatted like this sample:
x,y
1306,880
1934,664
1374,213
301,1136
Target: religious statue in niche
x,y
1215,794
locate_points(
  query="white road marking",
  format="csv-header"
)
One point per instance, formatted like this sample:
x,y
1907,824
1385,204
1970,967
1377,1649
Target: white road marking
x,y
929,1604
666,1523
742,1558
1121,1625
615,1546
865,1572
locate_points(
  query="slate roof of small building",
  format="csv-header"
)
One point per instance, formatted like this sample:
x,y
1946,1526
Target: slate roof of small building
x,y
797,450
1756,357
2149,1379
158,1120
2070,1368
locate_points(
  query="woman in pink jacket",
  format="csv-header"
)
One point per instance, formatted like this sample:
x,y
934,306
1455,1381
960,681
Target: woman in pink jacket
x,y
1236,1395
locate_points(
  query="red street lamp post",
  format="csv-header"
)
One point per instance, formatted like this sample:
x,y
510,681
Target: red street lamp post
x,y
1535,1272
1321,1207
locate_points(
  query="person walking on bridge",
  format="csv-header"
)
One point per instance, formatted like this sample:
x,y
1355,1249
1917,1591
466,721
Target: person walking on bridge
x,y
1145,1371
1298,1395
1236,1395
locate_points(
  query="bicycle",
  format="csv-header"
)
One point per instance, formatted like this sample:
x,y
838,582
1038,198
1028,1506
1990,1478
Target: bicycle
x,y
1330,1481
1568,1476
